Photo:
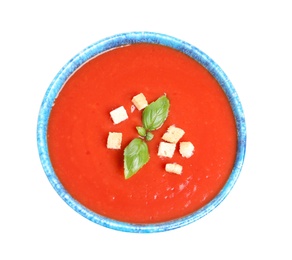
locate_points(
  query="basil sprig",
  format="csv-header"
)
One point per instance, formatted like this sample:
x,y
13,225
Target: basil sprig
x,y
136,154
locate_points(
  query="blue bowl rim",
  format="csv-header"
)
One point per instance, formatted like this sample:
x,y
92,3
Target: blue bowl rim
x,y
107,44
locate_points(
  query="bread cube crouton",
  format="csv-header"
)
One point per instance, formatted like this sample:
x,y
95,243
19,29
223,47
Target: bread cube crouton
x,y
173,134
174,168
140,101
119,114
114,140
166,149
186,149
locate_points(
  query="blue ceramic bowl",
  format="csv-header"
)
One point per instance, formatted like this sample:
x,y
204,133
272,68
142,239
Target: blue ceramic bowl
x,y
108,44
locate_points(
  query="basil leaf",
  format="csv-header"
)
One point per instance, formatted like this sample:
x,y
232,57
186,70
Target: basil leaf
x,y
149,136
136,155
155,113
141,131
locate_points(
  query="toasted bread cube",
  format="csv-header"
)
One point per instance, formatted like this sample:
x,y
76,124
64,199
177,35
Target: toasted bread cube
x,y
174,168
114,140
186,149
119,114
173,134
166,149
140,101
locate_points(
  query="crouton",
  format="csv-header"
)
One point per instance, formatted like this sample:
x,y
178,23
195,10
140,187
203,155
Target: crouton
x,y
186,149
173,134
166,149
174,168
119,114
140,101
114,140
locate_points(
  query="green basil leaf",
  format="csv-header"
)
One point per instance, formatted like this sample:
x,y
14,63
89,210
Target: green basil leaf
x,y
155,113
149,136
141,131
136,155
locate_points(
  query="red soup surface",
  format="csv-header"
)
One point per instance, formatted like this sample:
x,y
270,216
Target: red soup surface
x,y
80,121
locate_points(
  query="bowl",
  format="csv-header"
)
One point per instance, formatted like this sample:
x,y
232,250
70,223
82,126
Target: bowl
x,y
127,225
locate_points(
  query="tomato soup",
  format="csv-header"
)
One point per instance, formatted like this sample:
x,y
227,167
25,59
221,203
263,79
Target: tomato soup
x,y
80,121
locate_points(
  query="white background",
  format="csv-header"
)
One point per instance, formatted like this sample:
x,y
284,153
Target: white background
x,y
251,42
